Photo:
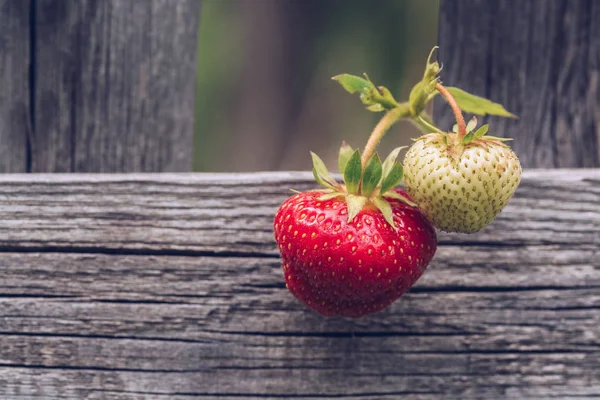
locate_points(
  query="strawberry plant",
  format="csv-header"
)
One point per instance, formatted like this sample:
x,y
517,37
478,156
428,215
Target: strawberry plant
x,y
352,248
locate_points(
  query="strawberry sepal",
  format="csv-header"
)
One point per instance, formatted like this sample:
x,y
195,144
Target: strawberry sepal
x,y
365,187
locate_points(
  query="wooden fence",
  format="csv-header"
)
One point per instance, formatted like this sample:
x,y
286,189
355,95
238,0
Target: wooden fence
x,y
97,85
169,287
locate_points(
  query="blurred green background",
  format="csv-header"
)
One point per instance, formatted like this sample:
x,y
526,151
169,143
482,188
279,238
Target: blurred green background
x,y
264,93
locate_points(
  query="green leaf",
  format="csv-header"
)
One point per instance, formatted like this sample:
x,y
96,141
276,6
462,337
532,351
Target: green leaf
x,y
320,180
468,138
355,205
478,105
398,196
391,160
474,135
393,178
353,83
386,209
368,79
481,131
345,154
353,173
321,174
371,176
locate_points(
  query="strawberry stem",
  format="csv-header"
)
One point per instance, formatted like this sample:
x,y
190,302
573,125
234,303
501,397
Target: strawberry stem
x,y
460,120
431,128
384,124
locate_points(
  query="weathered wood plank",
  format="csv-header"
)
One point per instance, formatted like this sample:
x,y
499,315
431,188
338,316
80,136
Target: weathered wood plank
x,y
231,317
217,299
15,116
375,355
471,267
88,384
541,60
229,213
114,85
192,304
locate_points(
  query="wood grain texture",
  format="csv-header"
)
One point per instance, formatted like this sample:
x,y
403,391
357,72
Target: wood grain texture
x,y
232,213
541,59
168,287
15,117
114,85
227,326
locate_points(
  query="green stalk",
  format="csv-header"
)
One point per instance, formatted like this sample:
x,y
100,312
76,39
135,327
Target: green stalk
x,y
389,119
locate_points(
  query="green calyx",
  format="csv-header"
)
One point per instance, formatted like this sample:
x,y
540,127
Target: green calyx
x,y
457,145
364,185
474,135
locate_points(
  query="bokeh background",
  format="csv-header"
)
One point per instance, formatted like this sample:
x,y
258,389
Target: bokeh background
x,y
264,93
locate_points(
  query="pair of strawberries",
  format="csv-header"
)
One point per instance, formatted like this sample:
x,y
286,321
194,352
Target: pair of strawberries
x,y
352,249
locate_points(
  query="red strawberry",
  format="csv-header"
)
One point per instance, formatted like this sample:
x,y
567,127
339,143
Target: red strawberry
x,y
351,265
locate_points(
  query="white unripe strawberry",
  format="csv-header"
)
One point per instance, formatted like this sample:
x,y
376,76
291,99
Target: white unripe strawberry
x,y
461,185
